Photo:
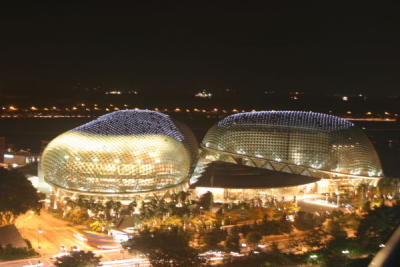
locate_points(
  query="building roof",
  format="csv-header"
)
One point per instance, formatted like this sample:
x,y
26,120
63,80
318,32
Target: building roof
x,y
125,152
313,140
9,235
228,175
132,122
302,119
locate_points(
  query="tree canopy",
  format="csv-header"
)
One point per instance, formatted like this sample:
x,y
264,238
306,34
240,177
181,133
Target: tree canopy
x,y
78,259
206,200
17,196
378,225
165,248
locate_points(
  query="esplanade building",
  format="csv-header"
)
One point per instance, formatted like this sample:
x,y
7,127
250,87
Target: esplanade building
x,y
121,155
284,154
139,154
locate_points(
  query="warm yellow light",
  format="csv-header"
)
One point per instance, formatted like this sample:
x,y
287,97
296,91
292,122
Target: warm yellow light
x,y
134,163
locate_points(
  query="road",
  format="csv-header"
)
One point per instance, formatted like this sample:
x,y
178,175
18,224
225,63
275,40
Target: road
x,y
132,262
47,234
27,262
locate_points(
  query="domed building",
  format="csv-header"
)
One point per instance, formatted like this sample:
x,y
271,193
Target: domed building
x,y
120,155
306,144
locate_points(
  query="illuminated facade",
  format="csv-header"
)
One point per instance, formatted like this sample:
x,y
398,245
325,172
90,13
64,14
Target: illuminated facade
x,y
120,155
302,143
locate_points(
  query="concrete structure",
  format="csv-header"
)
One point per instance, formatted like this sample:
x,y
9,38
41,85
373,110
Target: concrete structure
x,y
15,159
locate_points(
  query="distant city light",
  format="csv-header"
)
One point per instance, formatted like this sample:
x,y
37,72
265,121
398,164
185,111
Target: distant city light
x,y
204,94
113,92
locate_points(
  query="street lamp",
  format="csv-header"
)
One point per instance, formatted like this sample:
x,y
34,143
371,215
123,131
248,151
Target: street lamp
x,y
39,231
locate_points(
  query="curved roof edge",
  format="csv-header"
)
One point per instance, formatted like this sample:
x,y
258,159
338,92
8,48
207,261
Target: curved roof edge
x,y
303,119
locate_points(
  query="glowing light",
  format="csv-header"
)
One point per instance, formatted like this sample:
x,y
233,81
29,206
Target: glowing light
x,y
129,152
320,203
79,237
203,94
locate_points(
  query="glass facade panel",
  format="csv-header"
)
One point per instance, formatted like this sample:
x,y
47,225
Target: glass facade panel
x,y
309,139
121,152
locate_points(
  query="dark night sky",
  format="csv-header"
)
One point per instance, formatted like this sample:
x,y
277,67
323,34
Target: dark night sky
x,y
317,47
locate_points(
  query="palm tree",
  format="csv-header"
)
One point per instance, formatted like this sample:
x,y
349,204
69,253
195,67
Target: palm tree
x,y
389,186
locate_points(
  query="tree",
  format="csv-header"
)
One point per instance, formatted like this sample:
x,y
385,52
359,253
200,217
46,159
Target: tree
x,y
388,185
77,216
378,225
17,196
335,225
78,259
11,253
205,220
206,200
165,248
253,238
232,242
131,208
285,226
274,258
333,253
212,238
306,221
